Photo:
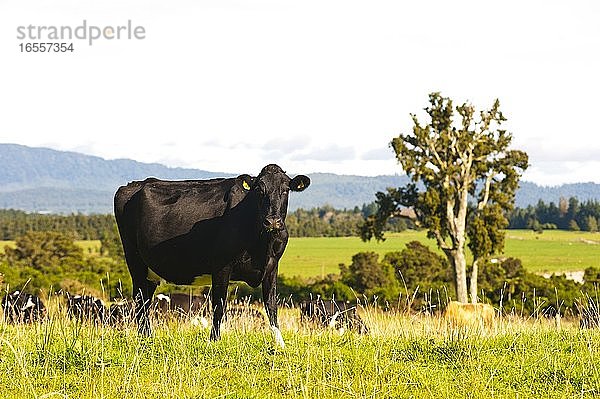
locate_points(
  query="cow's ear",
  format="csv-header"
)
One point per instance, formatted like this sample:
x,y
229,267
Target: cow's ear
x,y
299,183
245,181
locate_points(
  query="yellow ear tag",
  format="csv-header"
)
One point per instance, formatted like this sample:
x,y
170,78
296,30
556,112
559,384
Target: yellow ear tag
x,y
301,186
246,185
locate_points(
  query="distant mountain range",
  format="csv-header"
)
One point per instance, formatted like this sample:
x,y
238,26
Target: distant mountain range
x,y
45,180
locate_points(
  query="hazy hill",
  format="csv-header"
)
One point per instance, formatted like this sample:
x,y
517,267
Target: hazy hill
x,y
41,179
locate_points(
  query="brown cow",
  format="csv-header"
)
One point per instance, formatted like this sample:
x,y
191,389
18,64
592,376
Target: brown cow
x,y
459,314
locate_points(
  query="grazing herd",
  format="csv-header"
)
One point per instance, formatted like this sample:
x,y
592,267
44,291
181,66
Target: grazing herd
x,y
21,307
338,315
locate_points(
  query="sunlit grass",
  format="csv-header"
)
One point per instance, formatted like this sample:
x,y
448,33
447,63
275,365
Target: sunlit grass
x,y
404,355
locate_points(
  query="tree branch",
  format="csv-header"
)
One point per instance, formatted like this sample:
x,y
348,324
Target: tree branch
x,y
486,190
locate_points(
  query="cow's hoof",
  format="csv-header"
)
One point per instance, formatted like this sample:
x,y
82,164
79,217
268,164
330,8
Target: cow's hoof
x,y
278,338
145,332
214,337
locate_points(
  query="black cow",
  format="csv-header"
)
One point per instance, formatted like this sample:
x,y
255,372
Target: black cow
x,y
120,313
245,313
19,307
335,314
181,305
231,229
86,307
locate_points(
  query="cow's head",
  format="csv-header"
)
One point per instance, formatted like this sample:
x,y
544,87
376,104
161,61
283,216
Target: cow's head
x,y
271,188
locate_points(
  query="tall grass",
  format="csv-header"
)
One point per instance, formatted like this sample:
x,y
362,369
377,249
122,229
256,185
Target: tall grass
x,y
403,356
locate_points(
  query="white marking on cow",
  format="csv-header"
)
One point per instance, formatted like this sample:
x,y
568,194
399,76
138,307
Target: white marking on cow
x,y
278,338
162,297
29,304
199,321
333,320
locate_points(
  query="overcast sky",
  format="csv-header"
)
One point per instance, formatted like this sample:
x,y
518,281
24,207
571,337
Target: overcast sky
x,y
315,86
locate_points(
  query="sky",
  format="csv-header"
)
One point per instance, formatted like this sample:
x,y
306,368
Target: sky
x,y
314,86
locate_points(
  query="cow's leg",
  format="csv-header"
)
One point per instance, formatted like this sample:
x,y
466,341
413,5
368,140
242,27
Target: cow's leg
x,y
220,282
142,291
269,288
142,288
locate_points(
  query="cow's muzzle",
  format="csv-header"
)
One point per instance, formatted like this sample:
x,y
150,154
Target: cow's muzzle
x,y
273,223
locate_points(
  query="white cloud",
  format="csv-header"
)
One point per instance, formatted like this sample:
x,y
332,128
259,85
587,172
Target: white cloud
x,y
318,86
378,154
556,173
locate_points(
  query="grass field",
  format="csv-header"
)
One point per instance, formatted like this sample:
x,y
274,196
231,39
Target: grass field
x,y
401,357
550,252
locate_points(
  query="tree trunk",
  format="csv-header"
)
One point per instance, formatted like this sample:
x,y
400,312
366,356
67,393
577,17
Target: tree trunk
x,y
458,260
473,286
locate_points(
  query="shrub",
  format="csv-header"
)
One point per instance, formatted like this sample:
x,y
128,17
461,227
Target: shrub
x,y
419,268
370,278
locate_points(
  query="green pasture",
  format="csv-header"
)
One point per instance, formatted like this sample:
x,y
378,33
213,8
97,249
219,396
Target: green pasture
x,y
319,256
554,251
550,252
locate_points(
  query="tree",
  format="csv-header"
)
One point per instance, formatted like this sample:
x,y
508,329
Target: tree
x,y
573,226
563,206
369,277
46,251
590,224
110,241
454,161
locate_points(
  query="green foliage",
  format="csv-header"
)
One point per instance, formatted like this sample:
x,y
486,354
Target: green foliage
x,y
573,226
111,243
331,287
369,277
41,261
292,290
420,271
15,223
486,231
591,276
326,221
509,284
49,251
388,207
568,215
591,224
